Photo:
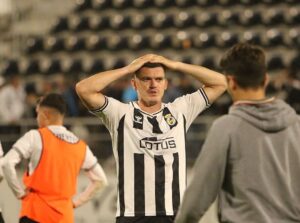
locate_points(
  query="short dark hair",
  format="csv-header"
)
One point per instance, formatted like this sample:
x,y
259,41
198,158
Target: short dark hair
x,y
150,65
247,63
55,101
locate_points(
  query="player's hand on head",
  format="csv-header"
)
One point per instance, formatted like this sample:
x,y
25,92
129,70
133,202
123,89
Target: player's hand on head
x,y
171,64
139,62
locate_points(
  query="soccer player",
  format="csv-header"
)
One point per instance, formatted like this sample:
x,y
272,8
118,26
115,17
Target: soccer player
x,y
148,136
251,157
1,177
55,157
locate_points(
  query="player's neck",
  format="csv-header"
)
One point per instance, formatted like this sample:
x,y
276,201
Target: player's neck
x,y
252,95
149,107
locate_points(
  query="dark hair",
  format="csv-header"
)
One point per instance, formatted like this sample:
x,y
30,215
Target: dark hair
x,y
150,65
55,101
247,63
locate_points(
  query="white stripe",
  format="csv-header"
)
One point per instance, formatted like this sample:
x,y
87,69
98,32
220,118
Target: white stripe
x,y
128,180
168,183
150,207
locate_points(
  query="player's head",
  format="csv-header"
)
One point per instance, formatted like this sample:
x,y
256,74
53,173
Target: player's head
x,y
245,65
50,110
150,83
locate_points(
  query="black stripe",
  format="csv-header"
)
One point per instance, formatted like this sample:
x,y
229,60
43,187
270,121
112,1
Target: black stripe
x,y
102,107
204,96
175,183
121,165
139,184
160,185
185,146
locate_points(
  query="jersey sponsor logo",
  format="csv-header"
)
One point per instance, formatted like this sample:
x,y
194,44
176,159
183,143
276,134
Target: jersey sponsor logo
x,y
152,143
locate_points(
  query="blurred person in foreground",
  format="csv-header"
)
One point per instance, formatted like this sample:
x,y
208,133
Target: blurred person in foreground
x,y
251,156
56,157
148,136
1,178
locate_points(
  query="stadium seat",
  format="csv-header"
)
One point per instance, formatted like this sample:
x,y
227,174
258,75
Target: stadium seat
x,y
228,18
101,4
10,67
121,4
140,21
293,38
273,17
206,3
184,3
249,2
73,43
204,40
275,63
209,62
119,21
98,23
163,3
142,3
78,23
96,42
53,44
252,37
162,20
138,41
118,63
117,42
82,5
160,41
274,38
206,19
60,25
250,17
50,66
74,66
31,67
95,66
184,19
295,62
182,40
293,16
34,45
227,39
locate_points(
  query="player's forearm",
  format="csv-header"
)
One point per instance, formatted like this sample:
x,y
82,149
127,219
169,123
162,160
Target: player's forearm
x,y
9,172
98,181
206,76
96,83
88,193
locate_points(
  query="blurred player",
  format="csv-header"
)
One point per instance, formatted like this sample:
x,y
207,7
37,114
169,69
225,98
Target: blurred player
x,y
55,157
148,136
1,177
251,157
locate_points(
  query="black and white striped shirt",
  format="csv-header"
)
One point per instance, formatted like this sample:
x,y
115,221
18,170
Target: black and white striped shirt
x,y
150,152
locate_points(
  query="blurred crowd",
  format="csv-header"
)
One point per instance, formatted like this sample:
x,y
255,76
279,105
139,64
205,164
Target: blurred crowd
x,y
18,95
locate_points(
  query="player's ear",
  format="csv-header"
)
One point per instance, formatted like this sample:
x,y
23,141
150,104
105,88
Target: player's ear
x,y
166,84
133,83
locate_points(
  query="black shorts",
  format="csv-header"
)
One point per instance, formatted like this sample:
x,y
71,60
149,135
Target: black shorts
x,y
146,219
1,218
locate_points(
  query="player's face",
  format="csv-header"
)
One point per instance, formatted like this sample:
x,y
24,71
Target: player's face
x,y
150,85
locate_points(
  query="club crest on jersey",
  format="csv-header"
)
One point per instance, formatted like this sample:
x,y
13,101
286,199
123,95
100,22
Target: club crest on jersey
x,y
169,118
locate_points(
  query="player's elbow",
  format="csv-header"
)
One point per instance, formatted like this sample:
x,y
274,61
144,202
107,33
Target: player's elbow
x,y
81,89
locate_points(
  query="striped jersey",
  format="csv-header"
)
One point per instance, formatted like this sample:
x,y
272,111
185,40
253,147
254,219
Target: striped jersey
x,y
150,152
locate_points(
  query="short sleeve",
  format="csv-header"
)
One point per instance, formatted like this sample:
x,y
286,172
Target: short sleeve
x,y
191,105
90,160
111,112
